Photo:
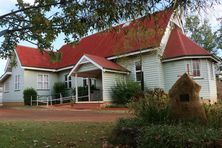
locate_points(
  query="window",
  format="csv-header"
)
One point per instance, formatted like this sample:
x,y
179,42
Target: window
x,y
17,82
196,68
6,87
43,81
138,71
92,82
211,71
85,82
68,81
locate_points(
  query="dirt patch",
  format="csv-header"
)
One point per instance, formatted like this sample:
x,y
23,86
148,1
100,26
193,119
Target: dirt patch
x,y
14,114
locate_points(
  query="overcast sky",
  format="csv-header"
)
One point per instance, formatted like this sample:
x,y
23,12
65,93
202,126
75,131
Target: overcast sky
x,y
6,5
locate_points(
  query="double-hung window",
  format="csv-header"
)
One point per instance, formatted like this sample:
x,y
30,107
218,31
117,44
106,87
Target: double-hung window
x,y
68,81
138,71
43,81
17,82
6,87
196,68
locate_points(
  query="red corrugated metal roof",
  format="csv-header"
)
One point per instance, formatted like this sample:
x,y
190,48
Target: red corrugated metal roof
x,y
104,63
32,57
143,33
179,45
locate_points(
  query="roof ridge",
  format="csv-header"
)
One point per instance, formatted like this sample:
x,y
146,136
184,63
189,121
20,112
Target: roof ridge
x,y
181,41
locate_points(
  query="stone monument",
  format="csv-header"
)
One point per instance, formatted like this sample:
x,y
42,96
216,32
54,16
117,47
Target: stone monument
x,y
184,100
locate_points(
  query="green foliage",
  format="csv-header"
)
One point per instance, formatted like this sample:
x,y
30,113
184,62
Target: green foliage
x,y
219,37
123,92
177,136
27,94
152,126
152,106
59,87
201,33
214,115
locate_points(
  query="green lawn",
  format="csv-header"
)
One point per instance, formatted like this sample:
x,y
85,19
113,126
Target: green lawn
x,y
53,134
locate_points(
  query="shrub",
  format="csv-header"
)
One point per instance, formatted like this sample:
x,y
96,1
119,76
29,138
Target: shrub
x,y
122,92
138,133
178,136
126,132
59,87
214,115
152,106
27,94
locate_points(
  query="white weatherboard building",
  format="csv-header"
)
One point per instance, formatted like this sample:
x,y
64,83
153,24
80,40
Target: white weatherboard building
x,y
152,49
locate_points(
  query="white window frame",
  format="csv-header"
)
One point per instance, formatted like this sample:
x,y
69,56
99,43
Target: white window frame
x,y
212,71
43,82
137,71
6,89
17,82
67,81
192,61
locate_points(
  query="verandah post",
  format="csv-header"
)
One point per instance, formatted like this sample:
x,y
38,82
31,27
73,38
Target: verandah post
x,y
88,89
60,98
76,84
37,103
31,101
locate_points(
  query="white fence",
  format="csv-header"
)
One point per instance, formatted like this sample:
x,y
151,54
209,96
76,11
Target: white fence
x,y
48,100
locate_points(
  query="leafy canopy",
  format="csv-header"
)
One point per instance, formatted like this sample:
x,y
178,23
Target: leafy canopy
x,y
43,21
203,34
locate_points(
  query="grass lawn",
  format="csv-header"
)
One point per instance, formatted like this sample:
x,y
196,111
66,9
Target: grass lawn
x,y
53,134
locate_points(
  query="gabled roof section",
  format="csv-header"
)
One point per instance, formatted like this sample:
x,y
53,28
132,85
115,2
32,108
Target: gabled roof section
x,y
179,45
106,64
32,57
100,62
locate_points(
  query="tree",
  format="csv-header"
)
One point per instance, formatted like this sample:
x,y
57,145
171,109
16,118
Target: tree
x,y
42,22
219,36
201,33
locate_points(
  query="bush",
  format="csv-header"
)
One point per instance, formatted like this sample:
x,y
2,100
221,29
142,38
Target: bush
x,y
126,132
27,94
152,126
59,87
138,133
122,92
178,136
152,106
214,115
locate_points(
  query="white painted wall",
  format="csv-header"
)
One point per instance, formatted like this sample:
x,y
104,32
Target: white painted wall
x,y
151,66
173,69
14,95
31,81
109,81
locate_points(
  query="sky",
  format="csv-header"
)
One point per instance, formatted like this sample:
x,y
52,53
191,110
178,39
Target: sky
x,y
7,5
